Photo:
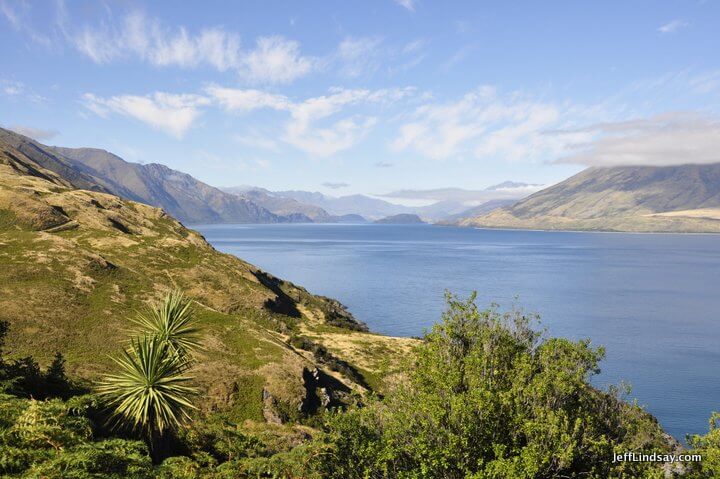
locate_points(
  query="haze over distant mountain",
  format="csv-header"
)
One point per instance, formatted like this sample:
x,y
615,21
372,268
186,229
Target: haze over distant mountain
x,y
454,203
278,204
181,195
628,198
445,203
370,208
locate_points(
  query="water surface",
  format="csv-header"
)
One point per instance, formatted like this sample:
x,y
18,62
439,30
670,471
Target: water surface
x,y
651,300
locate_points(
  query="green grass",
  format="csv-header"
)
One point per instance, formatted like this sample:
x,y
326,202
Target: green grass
x,y
246,400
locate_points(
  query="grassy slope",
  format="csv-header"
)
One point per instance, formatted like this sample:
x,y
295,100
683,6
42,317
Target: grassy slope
x,y
75,264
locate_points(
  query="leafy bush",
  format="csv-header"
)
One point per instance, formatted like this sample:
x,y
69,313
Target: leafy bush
x,y
487,397
709,447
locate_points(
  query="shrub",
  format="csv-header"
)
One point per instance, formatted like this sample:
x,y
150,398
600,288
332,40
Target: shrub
x,y
486,396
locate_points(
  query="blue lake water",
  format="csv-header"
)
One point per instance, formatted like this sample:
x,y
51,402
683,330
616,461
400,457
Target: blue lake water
x,y
653,301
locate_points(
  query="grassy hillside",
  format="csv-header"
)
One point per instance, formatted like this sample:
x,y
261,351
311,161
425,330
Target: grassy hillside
x,y
672,199
75,264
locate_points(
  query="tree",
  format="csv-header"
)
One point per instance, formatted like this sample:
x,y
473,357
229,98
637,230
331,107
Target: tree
x,y
172,321
486,396
152,392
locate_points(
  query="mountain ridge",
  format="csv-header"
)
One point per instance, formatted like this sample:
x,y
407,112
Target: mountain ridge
x,y
180,194
625,198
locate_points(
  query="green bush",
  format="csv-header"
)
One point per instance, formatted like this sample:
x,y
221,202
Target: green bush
x,y
487,397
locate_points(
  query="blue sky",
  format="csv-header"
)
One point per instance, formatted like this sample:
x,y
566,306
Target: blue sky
x,y
370,97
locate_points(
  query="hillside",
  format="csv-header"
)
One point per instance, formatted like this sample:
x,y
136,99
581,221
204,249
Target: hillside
x,y
181,195
479,210
643,199
75,264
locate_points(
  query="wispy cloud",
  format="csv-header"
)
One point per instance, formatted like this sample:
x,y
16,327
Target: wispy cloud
x,y
673,26
16,14
170,113
457,57
662,140
335,186
273,59
382,164
246,100
483,124
12,88
313,126
359,56
518,190
39,134
407,4
18,90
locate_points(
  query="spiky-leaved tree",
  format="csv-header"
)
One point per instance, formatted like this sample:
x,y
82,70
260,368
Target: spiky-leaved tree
x,y
173,321
152,392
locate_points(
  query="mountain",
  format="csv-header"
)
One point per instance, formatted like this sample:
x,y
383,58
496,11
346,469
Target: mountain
x,y
449,204
181,195
76,264
479,210
401,219
281,205
682,198
370,208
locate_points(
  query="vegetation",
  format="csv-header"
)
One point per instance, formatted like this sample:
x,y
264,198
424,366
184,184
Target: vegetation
x,y
483,396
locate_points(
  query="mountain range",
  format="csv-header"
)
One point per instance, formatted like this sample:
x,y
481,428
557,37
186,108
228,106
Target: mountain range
x,y
192,201
683,198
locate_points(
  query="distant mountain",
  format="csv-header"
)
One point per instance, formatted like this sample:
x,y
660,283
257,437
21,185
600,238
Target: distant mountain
x,y
401,219
634,198
281,205
481,209
181,195
453,203
370,208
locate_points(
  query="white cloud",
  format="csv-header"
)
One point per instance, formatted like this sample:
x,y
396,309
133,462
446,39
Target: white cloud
x,y
359,56
12,88
150,41
247,100
663,140
312,127
673,26
39,134
275,60
171,113
484,124
407,4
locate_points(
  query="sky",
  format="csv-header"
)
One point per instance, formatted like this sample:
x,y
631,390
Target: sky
x,y
367,97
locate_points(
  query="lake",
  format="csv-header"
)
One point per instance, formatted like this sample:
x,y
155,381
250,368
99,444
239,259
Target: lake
x,y
652,300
